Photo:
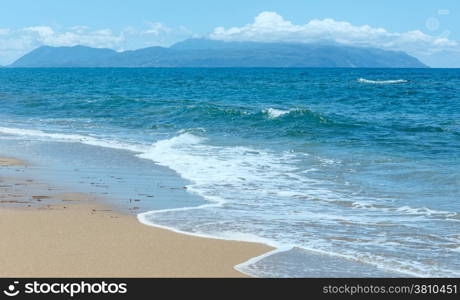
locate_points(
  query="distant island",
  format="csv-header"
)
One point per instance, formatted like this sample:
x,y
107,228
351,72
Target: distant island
x,y
213,53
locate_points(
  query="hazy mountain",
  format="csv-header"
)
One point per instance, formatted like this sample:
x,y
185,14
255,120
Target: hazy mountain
x,y
210,53
78,56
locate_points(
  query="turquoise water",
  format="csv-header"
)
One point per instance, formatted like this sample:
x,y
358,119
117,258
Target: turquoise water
x,y
357,165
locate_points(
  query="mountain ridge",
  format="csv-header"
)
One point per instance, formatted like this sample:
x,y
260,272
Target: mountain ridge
x,y
212,53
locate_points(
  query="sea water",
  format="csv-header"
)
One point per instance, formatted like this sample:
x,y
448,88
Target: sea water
x,y
346,172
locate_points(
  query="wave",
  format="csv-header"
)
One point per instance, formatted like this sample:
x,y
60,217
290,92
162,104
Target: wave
x,y
76,138
228,115
185,150
424,211
274,113
398,81
188,155
298,121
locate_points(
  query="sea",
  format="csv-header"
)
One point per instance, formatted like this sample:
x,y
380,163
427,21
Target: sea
x,y
344,172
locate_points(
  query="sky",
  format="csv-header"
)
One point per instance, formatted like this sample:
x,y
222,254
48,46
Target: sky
x,y
426,29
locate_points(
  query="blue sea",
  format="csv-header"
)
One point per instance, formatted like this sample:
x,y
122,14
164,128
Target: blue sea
x,y
346,172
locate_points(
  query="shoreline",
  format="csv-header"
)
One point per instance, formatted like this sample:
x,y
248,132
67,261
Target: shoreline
x,y
72,235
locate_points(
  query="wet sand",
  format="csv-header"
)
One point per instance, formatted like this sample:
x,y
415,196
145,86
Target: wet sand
x,y
7,161
73,235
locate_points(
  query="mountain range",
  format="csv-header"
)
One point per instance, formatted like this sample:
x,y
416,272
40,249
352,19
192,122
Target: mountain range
x,y
213,53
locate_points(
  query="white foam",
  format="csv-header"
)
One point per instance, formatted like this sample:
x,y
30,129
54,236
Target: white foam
x,y
274,113
328,161
84,139
425,211
211,168
411,268
145,218
205,164
397,81
244,267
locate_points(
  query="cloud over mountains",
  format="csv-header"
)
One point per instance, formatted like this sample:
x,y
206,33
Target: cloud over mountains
x,y
270,26
266,27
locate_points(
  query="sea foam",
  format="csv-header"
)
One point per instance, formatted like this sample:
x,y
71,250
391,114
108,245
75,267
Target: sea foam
x,y
274,113
397,81
76,138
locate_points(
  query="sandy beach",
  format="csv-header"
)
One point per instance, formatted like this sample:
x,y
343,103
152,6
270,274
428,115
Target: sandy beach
x,y
8,161
73,235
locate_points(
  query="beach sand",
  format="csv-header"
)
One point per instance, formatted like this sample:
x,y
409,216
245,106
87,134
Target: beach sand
x,y
6,161
76,236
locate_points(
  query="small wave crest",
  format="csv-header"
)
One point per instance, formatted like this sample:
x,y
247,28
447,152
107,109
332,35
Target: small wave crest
x,y
397,81
295,114
274,113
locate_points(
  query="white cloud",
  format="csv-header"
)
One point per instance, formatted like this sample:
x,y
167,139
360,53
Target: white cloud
x,y
43,31
80,35
271,27
157,29
4,31
79,28
17,42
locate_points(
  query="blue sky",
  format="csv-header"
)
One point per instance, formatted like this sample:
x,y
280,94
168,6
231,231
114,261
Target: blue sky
x,y
429,30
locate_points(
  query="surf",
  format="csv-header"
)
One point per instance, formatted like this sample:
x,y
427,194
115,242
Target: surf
x,y
397,81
